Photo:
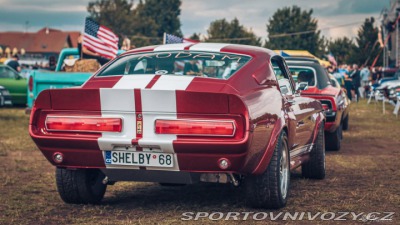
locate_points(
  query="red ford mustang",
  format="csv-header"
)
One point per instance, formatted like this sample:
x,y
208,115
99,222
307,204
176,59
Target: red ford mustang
x,y
182,113
333,100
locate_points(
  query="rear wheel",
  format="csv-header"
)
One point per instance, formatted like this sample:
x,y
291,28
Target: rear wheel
x,y
80,186
315,167
271,189
346,123
333,140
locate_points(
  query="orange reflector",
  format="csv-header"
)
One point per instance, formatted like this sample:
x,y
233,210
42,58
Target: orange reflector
x,y
83,124
195,127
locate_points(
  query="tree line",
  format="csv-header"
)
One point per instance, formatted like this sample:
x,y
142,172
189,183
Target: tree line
x,y
288,28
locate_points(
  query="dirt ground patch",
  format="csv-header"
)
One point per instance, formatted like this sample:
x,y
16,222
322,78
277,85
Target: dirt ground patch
x,y
362,177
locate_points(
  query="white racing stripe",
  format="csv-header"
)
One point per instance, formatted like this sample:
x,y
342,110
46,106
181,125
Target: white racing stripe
x,y
159,102
211,47
119,101
172,83
133,81
172,47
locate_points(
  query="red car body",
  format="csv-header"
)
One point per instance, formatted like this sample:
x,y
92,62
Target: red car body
x,y
335,104
209,125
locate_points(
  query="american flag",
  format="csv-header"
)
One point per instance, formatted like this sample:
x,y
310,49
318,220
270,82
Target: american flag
x,y
172,39
100,39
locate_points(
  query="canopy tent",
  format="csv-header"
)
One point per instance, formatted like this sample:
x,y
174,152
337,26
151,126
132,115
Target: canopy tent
x,y
303,53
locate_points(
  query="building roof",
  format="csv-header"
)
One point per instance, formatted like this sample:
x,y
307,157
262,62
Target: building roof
x,y
42,41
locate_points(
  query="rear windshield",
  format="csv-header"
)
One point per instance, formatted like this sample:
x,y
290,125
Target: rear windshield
x,y
303,74
313,75
184,63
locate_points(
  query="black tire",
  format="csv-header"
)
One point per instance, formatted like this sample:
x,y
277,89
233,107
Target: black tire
x,y
333,140
80,186
267,190
346,122
315,167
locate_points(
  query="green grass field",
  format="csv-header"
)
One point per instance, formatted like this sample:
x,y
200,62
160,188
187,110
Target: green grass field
x,y
362,177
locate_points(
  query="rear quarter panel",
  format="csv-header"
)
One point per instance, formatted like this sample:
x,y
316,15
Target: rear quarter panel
x,y
43,80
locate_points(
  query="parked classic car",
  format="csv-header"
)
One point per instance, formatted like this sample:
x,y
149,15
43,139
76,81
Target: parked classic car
x,y
318,86
182,113
40,80
15,83
5,97
335,84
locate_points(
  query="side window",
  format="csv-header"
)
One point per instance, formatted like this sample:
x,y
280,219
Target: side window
x,y
282,76
6,73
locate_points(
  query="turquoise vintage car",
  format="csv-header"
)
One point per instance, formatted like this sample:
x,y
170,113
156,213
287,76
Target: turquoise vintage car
x,y
42,80
14,83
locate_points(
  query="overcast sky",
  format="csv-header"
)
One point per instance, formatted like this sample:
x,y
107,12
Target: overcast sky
x,y
343,17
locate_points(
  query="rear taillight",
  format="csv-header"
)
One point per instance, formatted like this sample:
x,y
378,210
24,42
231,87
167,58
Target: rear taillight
x,y
196,127
83,124
30,84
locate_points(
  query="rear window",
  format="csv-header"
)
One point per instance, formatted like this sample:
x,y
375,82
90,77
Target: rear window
x,y
303,74
181,63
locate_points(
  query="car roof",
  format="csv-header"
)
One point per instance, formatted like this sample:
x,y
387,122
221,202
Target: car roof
x,y
301,59
322,77
207,47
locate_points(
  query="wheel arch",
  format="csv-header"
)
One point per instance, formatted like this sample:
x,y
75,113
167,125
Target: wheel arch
x,y
279,127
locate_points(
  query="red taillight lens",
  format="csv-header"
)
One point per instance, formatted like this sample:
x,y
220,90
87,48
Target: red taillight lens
x,y
83,124
325,107
195,127
30,84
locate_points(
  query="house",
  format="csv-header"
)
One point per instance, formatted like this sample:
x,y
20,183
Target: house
x,y
38,47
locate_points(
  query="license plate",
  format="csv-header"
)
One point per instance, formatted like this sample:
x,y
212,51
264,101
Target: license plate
x,y
139,158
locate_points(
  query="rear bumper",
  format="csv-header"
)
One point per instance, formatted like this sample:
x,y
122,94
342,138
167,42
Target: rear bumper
x,y
190,156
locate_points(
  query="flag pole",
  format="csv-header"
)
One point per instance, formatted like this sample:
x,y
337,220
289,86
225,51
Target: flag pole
x,y
164,38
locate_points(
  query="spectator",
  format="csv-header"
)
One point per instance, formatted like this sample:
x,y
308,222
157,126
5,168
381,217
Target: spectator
x,y
348,82
356,79
191,68
365,77
13,63
126,43
377,74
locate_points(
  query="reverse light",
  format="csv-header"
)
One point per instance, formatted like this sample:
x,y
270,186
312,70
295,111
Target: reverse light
x,y
83,124
196,127
58,157
224,163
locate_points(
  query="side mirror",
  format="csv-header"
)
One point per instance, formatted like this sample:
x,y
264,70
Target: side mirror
x,y
302,86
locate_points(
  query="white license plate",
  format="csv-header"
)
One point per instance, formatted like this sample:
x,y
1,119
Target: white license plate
x,y
139,158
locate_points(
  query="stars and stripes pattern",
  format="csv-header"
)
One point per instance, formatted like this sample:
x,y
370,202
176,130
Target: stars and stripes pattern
x,y
172,39
100,39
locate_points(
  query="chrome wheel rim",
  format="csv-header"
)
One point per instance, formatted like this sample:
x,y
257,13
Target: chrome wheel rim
x,y
284,171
